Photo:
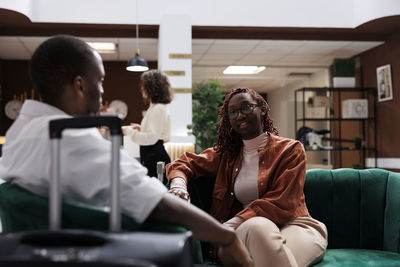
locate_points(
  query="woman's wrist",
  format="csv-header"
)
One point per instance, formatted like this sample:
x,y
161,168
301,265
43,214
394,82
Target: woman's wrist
x,y
178,182
128,130
178,187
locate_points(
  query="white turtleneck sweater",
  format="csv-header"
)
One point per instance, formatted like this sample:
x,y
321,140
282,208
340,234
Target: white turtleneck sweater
x,y
246,187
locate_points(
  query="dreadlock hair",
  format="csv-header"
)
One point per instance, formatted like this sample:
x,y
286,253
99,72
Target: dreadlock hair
x,y
156,86
229,141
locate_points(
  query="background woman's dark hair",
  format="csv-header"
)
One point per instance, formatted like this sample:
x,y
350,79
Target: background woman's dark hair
x,y
156,86
56,62
230,141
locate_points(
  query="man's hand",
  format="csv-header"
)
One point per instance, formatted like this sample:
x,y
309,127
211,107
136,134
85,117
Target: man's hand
x,y
234,254
204,227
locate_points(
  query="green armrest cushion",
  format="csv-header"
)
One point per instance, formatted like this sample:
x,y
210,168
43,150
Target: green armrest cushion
x,y
21,210
359,257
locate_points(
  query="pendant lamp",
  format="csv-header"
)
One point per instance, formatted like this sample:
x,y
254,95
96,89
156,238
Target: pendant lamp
x,y
137,63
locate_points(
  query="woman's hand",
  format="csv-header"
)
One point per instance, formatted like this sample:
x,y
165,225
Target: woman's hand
x,y
135,126
182,193
105,132
127,129
123,128
178,188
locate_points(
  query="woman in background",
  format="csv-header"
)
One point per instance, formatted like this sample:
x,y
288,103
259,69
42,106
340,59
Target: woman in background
x,y
259,179
155,128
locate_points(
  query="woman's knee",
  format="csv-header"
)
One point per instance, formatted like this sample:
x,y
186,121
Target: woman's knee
x,y
264,241
259,226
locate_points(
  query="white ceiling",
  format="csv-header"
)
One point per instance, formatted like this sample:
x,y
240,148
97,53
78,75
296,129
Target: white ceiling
x,y
211,56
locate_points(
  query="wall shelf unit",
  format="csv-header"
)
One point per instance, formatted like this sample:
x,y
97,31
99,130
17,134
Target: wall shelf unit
x,y
320,110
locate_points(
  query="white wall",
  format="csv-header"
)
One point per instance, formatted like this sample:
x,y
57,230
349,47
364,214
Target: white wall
x,y
367,10
22,6
266,13
271,13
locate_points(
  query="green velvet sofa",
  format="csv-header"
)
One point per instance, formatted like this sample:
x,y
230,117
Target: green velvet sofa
x,y
360,208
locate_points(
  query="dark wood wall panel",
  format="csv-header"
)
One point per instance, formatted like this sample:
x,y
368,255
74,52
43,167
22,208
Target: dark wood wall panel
x,y
388,116
124,85
15,81
118,84
1,106
349,130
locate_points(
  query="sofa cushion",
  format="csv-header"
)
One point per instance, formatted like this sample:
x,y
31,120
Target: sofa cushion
x,y
359,207
359,257
391,236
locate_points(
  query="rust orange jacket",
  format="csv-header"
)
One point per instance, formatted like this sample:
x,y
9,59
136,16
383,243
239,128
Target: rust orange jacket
x,y
281,180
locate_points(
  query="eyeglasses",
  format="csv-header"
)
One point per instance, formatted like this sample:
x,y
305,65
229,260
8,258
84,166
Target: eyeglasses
x,y
245,109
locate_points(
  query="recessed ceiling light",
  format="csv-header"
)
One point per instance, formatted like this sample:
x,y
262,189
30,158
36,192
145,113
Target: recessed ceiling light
x,y
103,47
244,69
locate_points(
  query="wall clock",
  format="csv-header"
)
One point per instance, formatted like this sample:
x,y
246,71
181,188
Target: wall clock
x,y
12,109
118,107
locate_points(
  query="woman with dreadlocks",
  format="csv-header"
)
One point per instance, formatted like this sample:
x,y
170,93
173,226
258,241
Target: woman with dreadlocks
x,y
259,183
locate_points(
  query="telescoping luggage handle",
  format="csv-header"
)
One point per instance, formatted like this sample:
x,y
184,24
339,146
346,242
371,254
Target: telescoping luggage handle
x,y
160,170
56,127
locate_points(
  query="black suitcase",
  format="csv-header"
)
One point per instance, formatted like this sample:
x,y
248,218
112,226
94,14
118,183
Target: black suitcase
x,y
92,248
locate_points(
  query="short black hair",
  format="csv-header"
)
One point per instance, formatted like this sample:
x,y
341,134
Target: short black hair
x,y
156,85
56,62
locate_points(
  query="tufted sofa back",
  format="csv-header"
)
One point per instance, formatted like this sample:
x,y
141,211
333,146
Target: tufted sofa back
x,y
361,208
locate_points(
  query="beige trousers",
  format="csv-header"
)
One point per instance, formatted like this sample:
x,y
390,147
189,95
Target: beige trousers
x,y
300,242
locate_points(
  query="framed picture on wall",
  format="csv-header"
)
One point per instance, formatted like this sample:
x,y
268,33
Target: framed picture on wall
x,y
384,79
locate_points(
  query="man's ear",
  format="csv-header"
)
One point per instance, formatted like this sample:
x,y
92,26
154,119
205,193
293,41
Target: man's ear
x,y
78,84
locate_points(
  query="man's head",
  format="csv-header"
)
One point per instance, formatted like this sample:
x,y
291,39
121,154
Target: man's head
x,y
68,74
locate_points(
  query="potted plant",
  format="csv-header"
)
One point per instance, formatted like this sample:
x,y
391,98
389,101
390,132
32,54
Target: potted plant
x,y
358,142
207,99
190,129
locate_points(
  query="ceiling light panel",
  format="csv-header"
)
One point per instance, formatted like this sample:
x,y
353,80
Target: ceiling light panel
x,y
103,47
243,69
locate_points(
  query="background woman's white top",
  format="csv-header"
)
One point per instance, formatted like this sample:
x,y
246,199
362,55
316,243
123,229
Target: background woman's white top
x,y
155,125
